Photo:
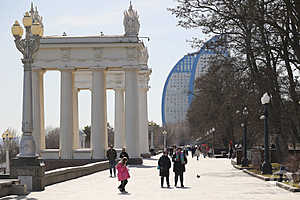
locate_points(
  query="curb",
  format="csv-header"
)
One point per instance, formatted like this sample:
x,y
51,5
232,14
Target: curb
x,y
260,176
241,168
287,187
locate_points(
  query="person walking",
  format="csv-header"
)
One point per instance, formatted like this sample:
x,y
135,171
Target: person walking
x,y
111,155
194,148
123,174
180,161
198,152
164,164
230,149
124,153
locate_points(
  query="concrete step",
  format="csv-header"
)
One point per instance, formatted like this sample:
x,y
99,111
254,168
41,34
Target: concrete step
x,y
12,186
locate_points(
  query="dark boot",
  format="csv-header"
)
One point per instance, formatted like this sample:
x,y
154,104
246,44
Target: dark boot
x,y
176,179
168,182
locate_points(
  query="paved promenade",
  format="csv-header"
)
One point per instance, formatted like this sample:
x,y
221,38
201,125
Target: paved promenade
x,y
218,181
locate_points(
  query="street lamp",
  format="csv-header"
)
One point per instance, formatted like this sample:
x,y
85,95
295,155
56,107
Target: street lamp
x,y
7,138
84,140
152,124
266,166
165,139
212,130
244,126
28,46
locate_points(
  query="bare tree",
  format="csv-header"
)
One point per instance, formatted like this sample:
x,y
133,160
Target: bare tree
x,y
52,138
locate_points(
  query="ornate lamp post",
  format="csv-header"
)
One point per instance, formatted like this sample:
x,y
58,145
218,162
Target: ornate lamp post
x,y
7,138
266,166
151,125
165,139
212,131
84,140
244,116
27,166
244,126
27,46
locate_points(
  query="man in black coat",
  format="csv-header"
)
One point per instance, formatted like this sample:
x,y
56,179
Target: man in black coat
x,y
124,154
180,160
164,164
111,155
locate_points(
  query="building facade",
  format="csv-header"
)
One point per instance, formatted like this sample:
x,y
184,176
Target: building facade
x,y
179,87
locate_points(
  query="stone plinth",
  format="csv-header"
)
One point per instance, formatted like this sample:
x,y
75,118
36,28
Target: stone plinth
x,y
256,160
135,161
30,172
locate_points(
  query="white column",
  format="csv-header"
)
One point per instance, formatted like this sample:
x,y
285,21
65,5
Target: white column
x,y
131,113
38,109
99,123
143,120
66,114
119,136
75,119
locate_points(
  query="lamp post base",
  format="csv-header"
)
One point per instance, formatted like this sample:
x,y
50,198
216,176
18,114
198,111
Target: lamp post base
x,y
30,171
266,168
27,147
245,162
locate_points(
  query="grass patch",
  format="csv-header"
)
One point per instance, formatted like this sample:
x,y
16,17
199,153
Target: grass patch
x,y
276,166
292,184
258,172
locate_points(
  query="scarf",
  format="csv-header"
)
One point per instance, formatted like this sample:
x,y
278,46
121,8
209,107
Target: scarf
x,y
180,157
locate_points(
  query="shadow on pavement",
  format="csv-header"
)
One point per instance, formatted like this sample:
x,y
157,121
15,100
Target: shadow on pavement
x,y
222,174
142,166
184,187
150,158
124,193
18,198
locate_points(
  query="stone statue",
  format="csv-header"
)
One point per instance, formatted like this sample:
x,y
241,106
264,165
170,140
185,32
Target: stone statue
x,y
131,22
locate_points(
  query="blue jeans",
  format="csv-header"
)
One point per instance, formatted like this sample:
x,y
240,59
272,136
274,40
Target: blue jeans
x,y
112,164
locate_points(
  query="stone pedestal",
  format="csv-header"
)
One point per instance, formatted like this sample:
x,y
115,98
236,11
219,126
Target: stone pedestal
x,y
239,155
135,161
256,159
30,171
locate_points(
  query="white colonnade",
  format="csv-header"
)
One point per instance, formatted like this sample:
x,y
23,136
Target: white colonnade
x,y
131,116
96,63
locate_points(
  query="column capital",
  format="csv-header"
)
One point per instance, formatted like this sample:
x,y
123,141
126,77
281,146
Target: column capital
x,y
131,68
118,89
42,70
67,69
146,89
98,69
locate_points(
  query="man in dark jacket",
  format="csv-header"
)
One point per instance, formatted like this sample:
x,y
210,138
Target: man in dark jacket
x,y
180,161
164,164
124,154
111,155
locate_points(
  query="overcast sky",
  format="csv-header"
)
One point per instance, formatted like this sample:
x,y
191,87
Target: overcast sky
x,y
166,46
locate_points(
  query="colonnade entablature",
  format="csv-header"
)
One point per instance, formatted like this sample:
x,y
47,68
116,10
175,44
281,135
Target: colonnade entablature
x,y
95,63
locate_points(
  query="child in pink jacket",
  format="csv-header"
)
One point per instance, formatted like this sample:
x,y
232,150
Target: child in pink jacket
x,y
123,174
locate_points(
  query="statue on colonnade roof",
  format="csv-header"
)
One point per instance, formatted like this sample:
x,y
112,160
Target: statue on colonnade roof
x,y
131,22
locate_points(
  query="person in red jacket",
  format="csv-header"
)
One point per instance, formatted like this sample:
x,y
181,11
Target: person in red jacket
x,y
123,174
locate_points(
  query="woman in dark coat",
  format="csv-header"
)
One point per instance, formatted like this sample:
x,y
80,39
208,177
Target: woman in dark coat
x,y
164,164
179,160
